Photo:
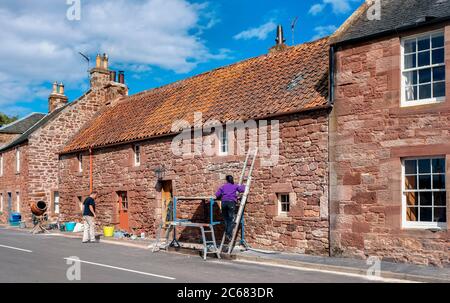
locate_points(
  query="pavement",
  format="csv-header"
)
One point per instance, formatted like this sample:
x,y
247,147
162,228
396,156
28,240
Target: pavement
x,y
44,258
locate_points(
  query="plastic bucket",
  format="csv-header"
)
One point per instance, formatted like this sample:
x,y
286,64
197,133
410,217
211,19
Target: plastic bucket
x,y
70,226
108,231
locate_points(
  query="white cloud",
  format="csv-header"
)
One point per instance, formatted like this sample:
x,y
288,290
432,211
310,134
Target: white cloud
x,y
260,32
316,9
322,31
39,44
338,6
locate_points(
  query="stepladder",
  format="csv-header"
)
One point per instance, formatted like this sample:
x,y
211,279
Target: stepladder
x,y
209,242
246,175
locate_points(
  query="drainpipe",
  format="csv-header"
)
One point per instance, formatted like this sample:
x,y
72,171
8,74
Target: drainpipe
x,y
91,181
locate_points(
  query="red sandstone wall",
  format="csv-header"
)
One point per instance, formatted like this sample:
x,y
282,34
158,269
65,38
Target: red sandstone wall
x,y
369,135
42,160
13,182
46,142
302,171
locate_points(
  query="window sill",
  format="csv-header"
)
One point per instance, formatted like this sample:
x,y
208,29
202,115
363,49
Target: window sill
x,y
283,218
433,228
405,103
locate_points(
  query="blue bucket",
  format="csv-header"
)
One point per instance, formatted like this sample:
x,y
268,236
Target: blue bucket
x,y
14,219
70,226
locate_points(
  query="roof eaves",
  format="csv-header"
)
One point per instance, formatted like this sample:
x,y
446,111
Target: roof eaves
x,y
396,30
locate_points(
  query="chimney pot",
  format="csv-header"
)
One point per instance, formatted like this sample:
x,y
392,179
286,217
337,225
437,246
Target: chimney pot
x,y
98,61
279,45
112,76
55,88
121,77
61,88
105,61
280,36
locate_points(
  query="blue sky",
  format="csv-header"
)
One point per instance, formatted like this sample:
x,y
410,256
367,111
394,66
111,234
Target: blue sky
x,y
155,42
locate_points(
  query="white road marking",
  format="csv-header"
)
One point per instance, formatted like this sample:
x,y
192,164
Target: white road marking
x,y
121,268
370,278
16,248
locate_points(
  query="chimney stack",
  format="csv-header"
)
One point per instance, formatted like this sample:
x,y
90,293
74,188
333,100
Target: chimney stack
x,y
279,41
100,75
57,98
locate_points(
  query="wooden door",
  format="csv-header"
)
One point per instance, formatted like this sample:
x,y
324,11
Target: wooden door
x,y
123,211
166,200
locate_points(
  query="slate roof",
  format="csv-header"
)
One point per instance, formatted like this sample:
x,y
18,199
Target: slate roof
x,y
22,125
23,137
396,15
292,80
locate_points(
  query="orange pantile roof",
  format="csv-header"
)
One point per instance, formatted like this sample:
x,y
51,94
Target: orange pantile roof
x,y
292,80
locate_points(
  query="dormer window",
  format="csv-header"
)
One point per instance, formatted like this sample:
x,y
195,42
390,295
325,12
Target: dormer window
x,y
423,69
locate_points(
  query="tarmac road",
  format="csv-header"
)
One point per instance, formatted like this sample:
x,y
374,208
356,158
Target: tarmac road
x,y
44,258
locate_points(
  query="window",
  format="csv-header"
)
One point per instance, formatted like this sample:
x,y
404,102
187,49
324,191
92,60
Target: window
x,y
123,198
17,202
423,69
424,193
1,202
56,202
137,155
80,163
223,142
17,160
1,165
284,203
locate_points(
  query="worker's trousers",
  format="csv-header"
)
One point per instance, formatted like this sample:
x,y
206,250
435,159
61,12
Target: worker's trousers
x,y
89,229
228,212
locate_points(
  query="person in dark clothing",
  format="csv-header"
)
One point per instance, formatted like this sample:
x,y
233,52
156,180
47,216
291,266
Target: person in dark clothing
x,y
227,193
89,218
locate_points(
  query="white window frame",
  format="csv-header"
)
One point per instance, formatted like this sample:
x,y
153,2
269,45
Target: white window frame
x,y
137,155
420,225
223,144
280,203
17,160
17,201
1,202
432,100
1,165
80,162
55,205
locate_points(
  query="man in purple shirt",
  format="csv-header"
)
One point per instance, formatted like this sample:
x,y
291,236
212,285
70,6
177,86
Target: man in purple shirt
x,y
227,193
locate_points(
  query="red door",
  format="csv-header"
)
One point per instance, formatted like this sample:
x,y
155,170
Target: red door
x,y
123,211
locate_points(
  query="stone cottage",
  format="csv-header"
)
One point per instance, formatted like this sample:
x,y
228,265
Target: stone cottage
x,y
30,161
127,143
390,133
